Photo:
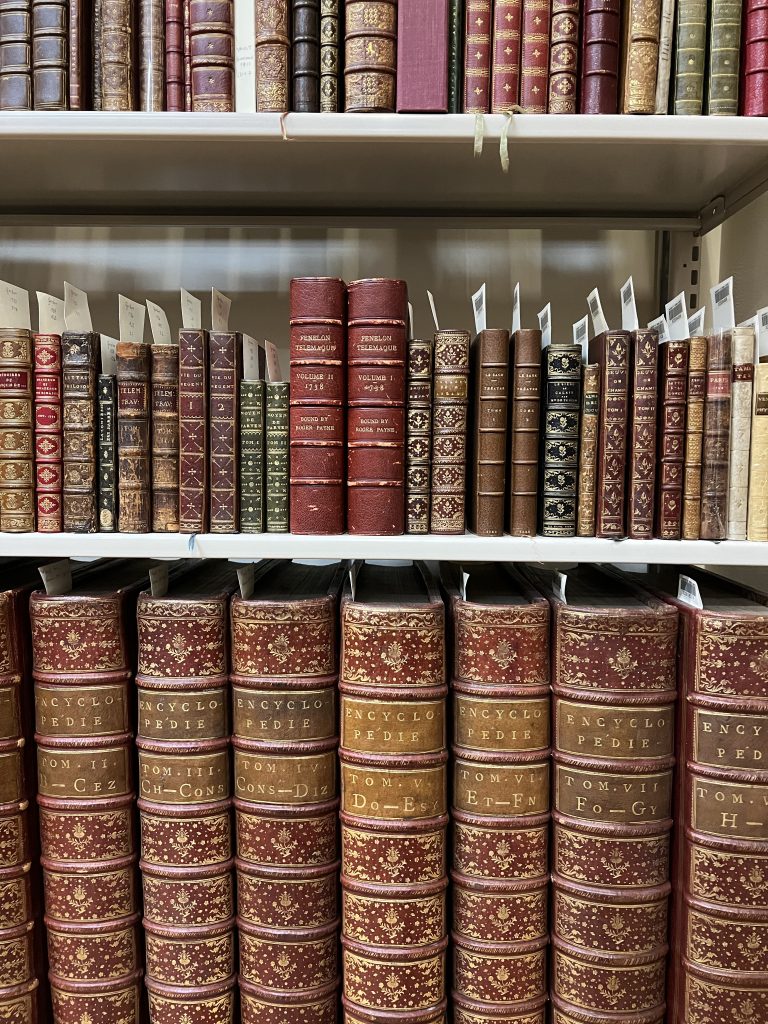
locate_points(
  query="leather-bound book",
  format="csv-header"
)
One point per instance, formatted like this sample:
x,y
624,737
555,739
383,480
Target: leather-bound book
x,y
742,373
599,75
690,54
165,438
185,789
564,56
716,441
81,34
151,45
614,689
16,55
666,43
225,355
523,442
694,433
329,56
641,436
251,456
455,55
277,458
490,372
212,55
757,509
174,55
723,57
134,444
17,467
641,56
48,413
285,734
187,55
305,75
504,59
478,26
370,42
534,56
500,811
273,55
393,796
108,502
318,350
422,56
447,512
376,355
116,47
193,431
80,362
561,378
610,351
588,435
673,377
92,61
753,94
418,439
49,54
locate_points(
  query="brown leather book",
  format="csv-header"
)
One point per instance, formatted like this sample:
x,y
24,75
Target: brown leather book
x,y
80,362
490,373
393,795
716,441
564,56
694,436
306,56
225,370
500,813
116,46
588,434
641,446
193,431
642,23
49,54
165,438
610,351
212,55
273,55
81,32
15,54
673,376
501,64
447,513
48,441
525,417
95,57
174,55
418,440
17,473
151,55
285,734
330,63
185,789
133,437
369,55
614,662
187,55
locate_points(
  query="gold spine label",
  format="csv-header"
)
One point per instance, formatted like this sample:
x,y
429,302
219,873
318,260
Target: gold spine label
x,y
609,796
734,809
394,793
508,790
616,732
82,710
729,740
267,779
184,779
284,715
176,715
483,723
10,722
84,773
377,726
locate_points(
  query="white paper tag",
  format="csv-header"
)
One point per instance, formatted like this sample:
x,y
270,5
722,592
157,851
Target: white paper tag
x,y
191,311
253,358
478,308
599,323
581,337
220,306
660,325
676,316
131,317
723,315
696,322
464,582
77,314
108,355
354,572
688,592
274,376
14,307
410,320
559,581
762,332
158,322
158,580
754,324
545,325
50,314
629,320
246,580
516,308
57,577
431,298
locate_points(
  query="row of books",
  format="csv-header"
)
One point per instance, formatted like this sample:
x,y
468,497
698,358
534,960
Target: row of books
x,y
388,804
475,56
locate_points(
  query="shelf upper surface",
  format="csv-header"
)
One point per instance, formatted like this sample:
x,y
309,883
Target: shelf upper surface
x,y
648,168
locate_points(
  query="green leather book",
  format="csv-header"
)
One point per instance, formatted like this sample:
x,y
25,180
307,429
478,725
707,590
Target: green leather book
x,y
251,456
690,56
277,457
724,49
455,54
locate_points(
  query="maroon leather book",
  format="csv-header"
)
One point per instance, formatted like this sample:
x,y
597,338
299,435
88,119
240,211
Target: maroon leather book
x,y
477,56
193,431
376,342
754,61
601,24
174,55
641,437
48,432
422,56
507,50
534,60
673,381
225,353
716,442
318,350
610,351
564,56
212,56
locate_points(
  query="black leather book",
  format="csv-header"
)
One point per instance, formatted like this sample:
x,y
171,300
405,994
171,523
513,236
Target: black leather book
x,y
107,454
306,55
561,376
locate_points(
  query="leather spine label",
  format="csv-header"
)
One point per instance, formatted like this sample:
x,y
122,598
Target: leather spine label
x,y
10,719
183,779
70,774
482,723
615,732
272,779
726,740
608,796
183,715
284,715
390,727
733,809
81,711
393,793
509,790
718,383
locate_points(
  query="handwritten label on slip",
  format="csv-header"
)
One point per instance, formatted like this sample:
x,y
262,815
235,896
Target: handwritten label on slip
x,y
688,592
158,580
754,324
581,337
246,580
431,299
220,306
723,314
676,316
464,583
57,577
108,355
191,311
77,314
354,572
50,314
410,320
158,323
273,363
599,323
253,359
14,306
696,322
131,316
478,308
629,320
660,325
545,324
516,308
559,581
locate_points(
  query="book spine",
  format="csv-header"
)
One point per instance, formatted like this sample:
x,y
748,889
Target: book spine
x,y
754,73
666,38
134,444
478,25
612,351
17,474
564,56
151,55
673,361
418,441
183,744
277,458
601,22
251,456
212,55
501,64
107,450
490,355
641,450
95,68
447,511
641,59
742,374
79,361
523,470
193,431
48,413
560,443
306,56
422,56
757,511
694,432
49,54
116,48
369,55
273,55
724,51
224,374
16,55
716,441
690,53
455,55
377,343
174,55
329,56
534,59
187,54
588,434
78,34
165,438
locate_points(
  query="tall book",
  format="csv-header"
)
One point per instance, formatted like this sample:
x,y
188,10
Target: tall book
x,y
79,362
115,47
641,434
174,55
330,63
225,369
151,55
490,375
370,44
285,733
723,57
564,56
757,510
393,795
49,54
187,36
185,790
48,441
492,62
107,452
193,431
690,55
599,58
610,351
500,811
252,433
666,45
422,56
165,438
318,352
534,56
561,377
81,31
447,511
273,55
694,435
613,661
16,55
641,56
716,441
455,56
418,436
17,467
377,343
305,73
523,444
753,86
211,50
277,457
134,445
478,28
673,376
588,434
742,374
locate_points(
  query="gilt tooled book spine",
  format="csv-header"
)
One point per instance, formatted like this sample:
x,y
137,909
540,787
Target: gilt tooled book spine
x,y
17,473
742,373
690,54
93,71
418,440
523,442
534,56
134,445
490,370
165,438
376,357
48,442
757,510
277,457
251,456
561,375
422,56
330,65
753,97
673,374
80,361
641,57
151,45
393,795
285,734
641,436
187,54
564,56
49,54
370,44
305,63
81,31
273,55
716,441
225,354
500,812
16,55
447,512
492,64
694,434
174,55
455,56
723,57
116,54
599,57
611,352
318,351
588,434
107,449
193,431
212,57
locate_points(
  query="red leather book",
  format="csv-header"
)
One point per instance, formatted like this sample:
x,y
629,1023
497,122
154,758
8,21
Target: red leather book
x,y
422,56
534,61
599,76
507,52
490,358
165,439
225,358
673,381
376,346
754,63
193,431
477,56
174,55
611,352
212,57
641,436
317,396
48,464
716,441
17,477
